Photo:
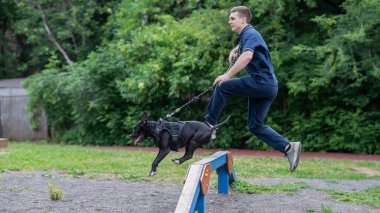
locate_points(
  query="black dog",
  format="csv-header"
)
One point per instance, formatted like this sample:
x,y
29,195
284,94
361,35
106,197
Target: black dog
x,y
173,135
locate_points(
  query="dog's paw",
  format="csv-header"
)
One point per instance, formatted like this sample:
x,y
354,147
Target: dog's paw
x,y
151,174
176,161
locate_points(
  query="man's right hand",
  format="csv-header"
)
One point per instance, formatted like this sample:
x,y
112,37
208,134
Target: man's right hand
x,y
232,56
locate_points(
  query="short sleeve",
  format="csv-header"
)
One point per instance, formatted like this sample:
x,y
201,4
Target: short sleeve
x,y
250,42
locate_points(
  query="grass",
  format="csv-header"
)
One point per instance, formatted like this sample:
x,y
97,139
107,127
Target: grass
x,y
288,188
325,209
308,168
370,196
135,166
78,161
10,189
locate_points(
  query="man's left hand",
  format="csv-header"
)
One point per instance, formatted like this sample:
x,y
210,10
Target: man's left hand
x,y
220,79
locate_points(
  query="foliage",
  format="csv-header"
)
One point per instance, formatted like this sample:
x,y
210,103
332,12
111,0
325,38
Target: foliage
x,y
342,87
156,55
82,99
77,25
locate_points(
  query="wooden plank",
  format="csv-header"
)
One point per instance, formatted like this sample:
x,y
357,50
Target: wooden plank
x,y
230,163
190,191
212,157
216,160
205,178
233,177
188,169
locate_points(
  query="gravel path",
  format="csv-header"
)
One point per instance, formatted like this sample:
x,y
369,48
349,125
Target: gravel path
x,y
27,191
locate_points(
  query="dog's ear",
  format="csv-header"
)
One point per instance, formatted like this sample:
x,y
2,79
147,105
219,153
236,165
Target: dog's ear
x,y
144,118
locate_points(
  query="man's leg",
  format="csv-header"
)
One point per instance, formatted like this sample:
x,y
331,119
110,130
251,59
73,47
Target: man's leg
x,y
258,109
220,96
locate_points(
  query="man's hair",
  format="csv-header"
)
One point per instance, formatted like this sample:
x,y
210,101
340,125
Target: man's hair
x,y
242,12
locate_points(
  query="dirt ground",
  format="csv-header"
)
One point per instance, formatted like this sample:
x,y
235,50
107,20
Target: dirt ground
x,y
27,191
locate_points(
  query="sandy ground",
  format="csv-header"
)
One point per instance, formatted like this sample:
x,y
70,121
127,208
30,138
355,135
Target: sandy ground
x,y
27,191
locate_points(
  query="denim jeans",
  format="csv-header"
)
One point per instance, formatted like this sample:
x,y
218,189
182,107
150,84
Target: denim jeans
x,y
260,97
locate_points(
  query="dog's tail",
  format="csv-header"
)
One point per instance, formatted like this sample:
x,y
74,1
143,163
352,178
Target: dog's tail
x,y
222,123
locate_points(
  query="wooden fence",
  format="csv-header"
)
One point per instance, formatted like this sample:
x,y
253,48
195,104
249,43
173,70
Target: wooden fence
x,y
14,120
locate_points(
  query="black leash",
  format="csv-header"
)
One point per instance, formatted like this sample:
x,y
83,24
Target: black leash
x,y
198,96
189,102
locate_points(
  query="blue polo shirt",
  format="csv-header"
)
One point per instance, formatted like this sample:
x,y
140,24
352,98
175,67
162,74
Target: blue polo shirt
x,y
260,66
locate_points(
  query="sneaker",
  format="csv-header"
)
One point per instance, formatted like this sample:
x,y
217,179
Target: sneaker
x,y
213,134
293,155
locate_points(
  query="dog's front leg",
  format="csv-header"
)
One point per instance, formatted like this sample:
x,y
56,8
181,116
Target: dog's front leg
x,y
161,155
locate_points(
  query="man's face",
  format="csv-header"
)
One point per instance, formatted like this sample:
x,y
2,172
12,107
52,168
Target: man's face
x,y
236,22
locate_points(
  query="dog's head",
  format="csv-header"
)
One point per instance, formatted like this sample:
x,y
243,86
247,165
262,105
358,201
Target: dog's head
x,y
141,130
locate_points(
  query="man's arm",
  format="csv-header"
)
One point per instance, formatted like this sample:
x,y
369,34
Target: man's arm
x,y
240,64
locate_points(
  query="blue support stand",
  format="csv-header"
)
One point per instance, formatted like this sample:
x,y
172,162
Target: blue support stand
x,y
200,206
223,180
197,181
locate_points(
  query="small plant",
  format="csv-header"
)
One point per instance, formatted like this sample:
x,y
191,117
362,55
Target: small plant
x,y
55,193
76,173
325,209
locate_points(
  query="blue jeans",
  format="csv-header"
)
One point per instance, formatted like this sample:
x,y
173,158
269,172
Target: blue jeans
x,y
260,97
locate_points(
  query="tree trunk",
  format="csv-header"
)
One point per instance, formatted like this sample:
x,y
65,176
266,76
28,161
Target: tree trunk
x,y
49,32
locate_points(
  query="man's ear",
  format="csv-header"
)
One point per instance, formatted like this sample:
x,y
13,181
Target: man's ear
x,y
144,117
245,19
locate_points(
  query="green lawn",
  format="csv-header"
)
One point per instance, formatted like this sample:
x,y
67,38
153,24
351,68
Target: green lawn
x,y
136,165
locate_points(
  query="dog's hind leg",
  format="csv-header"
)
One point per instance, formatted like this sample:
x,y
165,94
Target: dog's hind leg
x,y
188,154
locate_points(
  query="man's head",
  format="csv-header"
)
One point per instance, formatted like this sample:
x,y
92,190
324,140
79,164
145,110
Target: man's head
x,y
239,18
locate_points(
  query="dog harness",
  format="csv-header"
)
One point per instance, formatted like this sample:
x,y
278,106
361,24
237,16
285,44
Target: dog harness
x,y
174,129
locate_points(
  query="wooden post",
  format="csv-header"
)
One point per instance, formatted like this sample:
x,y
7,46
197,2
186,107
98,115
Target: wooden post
x,y
223,180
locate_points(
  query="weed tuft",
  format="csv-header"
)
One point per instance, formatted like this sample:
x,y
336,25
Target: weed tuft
x,y
55,193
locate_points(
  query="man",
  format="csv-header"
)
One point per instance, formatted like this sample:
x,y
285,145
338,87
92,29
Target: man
x,y
259,85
